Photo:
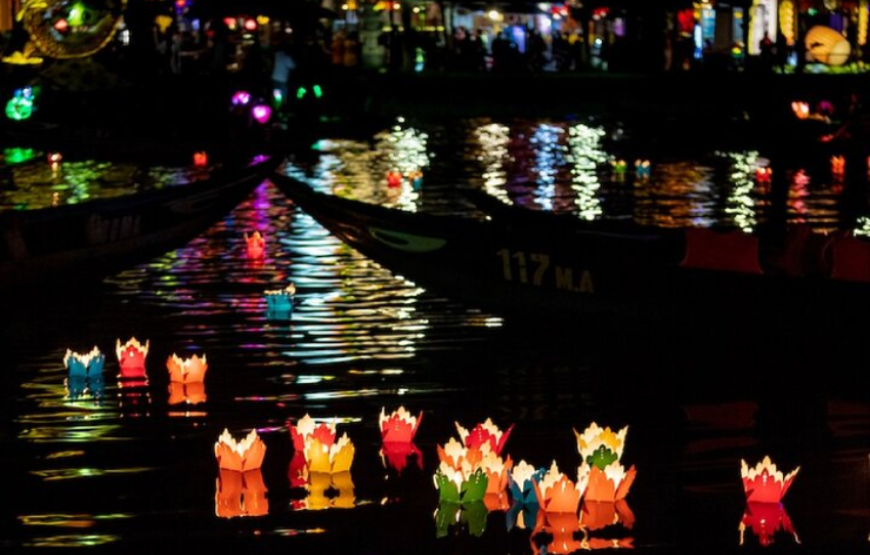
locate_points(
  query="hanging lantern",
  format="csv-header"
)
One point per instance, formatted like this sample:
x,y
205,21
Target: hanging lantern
x,y
200,159
827,46
86,365
556,493
600,447
485,433
240,494
764,483
241,456
400,427
256,245
189,370
131,358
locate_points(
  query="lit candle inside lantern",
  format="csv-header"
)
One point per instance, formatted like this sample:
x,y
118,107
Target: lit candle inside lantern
x,y
256,245
522,483
608,485
764,483
241,456
54,160
86,365
619,166
186,370
131,358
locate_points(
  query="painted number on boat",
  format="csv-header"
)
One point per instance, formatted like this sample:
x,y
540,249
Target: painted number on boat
x,y
534,268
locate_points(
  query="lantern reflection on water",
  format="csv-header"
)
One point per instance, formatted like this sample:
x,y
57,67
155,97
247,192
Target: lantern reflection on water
x,y
328,490
765,520
469,516
131,358
192,393
562,528
556,493
241,456
239,494
279,302
598,515
395,455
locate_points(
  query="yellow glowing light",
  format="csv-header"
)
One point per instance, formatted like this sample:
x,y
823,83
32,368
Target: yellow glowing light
x,y
262,20
862,22
494,15
787,21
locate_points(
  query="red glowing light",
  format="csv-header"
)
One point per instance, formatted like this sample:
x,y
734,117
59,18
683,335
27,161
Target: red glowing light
x,y
250,25
61,25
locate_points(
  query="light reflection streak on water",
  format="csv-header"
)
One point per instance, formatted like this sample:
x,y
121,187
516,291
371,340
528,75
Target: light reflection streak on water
x,y
740,203
586,154
58,474
492,142
811,201
549,158
83,540
683,194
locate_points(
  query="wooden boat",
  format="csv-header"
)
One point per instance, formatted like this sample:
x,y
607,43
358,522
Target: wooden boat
x,y
639,276
83,241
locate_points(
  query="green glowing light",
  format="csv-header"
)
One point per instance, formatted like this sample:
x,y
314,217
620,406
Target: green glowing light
x,y
19,108
277,98
300,93
76,15
18,155
318,92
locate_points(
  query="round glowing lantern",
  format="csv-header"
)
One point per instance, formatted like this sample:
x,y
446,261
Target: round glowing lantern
x,y
827,46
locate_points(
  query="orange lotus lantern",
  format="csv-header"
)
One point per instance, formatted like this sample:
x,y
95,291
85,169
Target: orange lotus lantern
x,y
608,485
457,456
556,493
764,483
600,447
306,429
256,245
240,494
131,358
241,456
200,159
188,370
487,433
191,393
801,109
329,459
497,472
838,166
765,520
400,427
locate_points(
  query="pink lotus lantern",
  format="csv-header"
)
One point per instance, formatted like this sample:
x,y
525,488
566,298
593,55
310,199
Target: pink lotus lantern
x,y
556,493
400,427
240,494
485,433
256,245
131,358
306,430
765,520
200,159
608,485
188,370
241,456
764,483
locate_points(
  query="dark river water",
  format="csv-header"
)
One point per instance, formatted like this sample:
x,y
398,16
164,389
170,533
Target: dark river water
x,y
131,466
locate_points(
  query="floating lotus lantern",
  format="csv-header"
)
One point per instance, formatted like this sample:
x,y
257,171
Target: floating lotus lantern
x,y
556,493
458,486
394,179
395,455
241,456
84,366
765,520
240,494
838,166
416,179
280,301
332,458
497,501
497,471
524,516
200,159
619,167
608,485
599,447
307,429
320,483
801,109
763,175
486,433
764,483
642,169
188,370
342,482
192,393
400,427
256,245
522,483
131,358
